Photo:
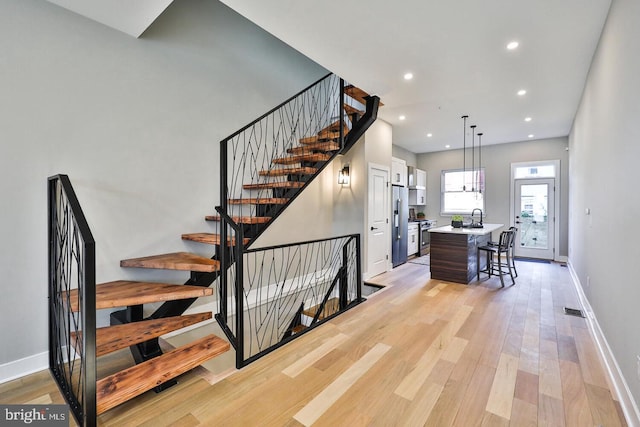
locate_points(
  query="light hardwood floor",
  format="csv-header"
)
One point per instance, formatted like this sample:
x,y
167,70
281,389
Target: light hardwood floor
x,y
419,352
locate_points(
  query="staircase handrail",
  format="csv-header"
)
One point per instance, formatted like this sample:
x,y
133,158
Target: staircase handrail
x,y
77,246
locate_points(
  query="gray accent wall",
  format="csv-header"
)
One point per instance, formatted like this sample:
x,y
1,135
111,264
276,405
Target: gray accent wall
x,y
135,123
604,203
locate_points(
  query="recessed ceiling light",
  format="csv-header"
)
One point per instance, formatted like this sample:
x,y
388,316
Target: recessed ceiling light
x,y
402,117
527,119
531,135
447,146
408,76
513,45
429,135
522,92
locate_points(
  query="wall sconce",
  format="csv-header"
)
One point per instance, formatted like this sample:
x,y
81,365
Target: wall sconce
x,y
343,175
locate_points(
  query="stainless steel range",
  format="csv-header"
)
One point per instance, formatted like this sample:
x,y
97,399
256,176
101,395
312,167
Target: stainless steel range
x,y
425,241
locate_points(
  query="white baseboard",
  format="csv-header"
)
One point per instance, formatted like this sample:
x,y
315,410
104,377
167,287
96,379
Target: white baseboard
x,y
628,404
562,258
21,367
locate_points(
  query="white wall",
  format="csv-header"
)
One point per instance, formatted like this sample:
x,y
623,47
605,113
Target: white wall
x,y
604,151
406,155
497,159
136,124
351,203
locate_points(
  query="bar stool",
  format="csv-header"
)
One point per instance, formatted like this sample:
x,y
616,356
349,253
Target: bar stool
x,y
512,254
498,267
512,250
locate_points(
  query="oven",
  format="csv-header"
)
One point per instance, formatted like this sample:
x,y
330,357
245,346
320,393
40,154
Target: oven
x,y
425,237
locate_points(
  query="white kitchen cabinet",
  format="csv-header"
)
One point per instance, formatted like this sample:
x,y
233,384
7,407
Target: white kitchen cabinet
x,y
412,240
398,172
421,179
417,178
417,197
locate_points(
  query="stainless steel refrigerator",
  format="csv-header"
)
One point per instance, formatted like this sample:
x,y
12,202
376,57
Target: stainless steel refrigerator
x,y
399,225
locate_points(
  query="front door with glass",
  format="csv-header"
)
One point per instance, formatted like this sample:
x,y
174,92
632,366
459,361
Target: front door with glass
x,y
534,218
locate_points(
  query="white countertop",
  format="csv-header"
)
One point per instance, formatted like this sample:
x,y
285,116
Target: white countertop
x,y
488,228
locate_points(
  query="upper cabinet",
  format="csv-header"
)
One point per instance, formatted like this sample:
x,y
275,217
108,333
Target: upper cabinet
x,y
398,172
417,178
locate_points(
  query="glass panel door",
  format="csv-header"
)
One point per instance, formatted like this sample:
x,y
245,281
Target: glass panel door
x,y
534,216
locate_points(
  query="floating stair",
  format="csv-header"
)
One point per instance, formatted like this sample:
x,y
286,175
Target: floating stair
x,y
123,293
183,261
316,146
328,136
288,171
358,94
271,185
351,110
314,157
125,385
242,219
332,306
298,328
210,239
113,338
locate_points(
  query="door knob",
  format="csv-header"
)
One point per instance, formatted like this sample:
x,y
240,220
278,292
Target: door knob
x,y
374,228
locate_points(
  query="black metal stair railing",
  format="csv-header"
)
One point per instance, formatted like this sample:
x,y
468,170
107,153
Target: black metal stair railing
x,y
256,184
269,285
72,267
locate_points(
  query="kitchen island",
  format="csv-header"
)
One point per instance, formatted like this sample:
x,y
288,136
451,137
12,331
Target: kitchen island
x,y
453,252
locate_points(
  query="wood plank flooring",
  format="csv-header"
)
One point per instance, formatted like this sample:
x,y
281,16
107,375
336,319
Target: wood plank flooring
x,y
419,352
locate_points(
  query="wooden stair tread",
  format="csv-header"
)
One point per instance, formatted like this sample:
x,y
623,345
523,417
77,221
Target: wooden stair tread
x,y
122,293
242,219
113,338
182,261
129,383
298,328
316,146
315,157
332,129
289,171
268,185
351,110
358,94
329,136
259,201
331,307
211,238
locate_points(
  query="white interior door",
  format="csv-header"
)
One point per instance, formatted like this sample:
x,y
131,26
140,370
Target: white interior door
x,y
378,220
534,209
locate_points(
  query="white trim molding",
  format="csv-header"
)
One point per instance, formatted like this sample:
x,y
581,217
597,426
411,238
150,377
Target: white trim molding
x,y
621,389
22,367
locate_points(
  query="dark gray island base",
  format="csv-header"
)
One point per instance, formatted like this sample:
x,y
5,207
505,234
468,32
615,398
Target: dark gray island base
x,y
453,252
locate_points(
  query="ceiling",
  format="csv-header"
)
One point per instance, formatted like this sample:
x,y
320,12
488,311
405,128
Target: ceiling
x,y
456,52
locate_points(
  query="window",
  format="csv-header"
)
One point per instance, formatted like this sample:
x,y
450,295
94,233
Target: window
x,y
461,191
542,170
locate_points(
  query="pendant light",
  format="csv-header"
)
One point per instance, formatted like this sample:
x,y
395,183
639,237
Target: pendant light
x,y
480,162
473,157
464,150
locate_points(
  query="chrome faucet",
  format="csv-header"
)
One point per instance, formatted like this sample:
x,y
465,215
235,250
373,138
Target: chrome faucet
x,y
472,219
